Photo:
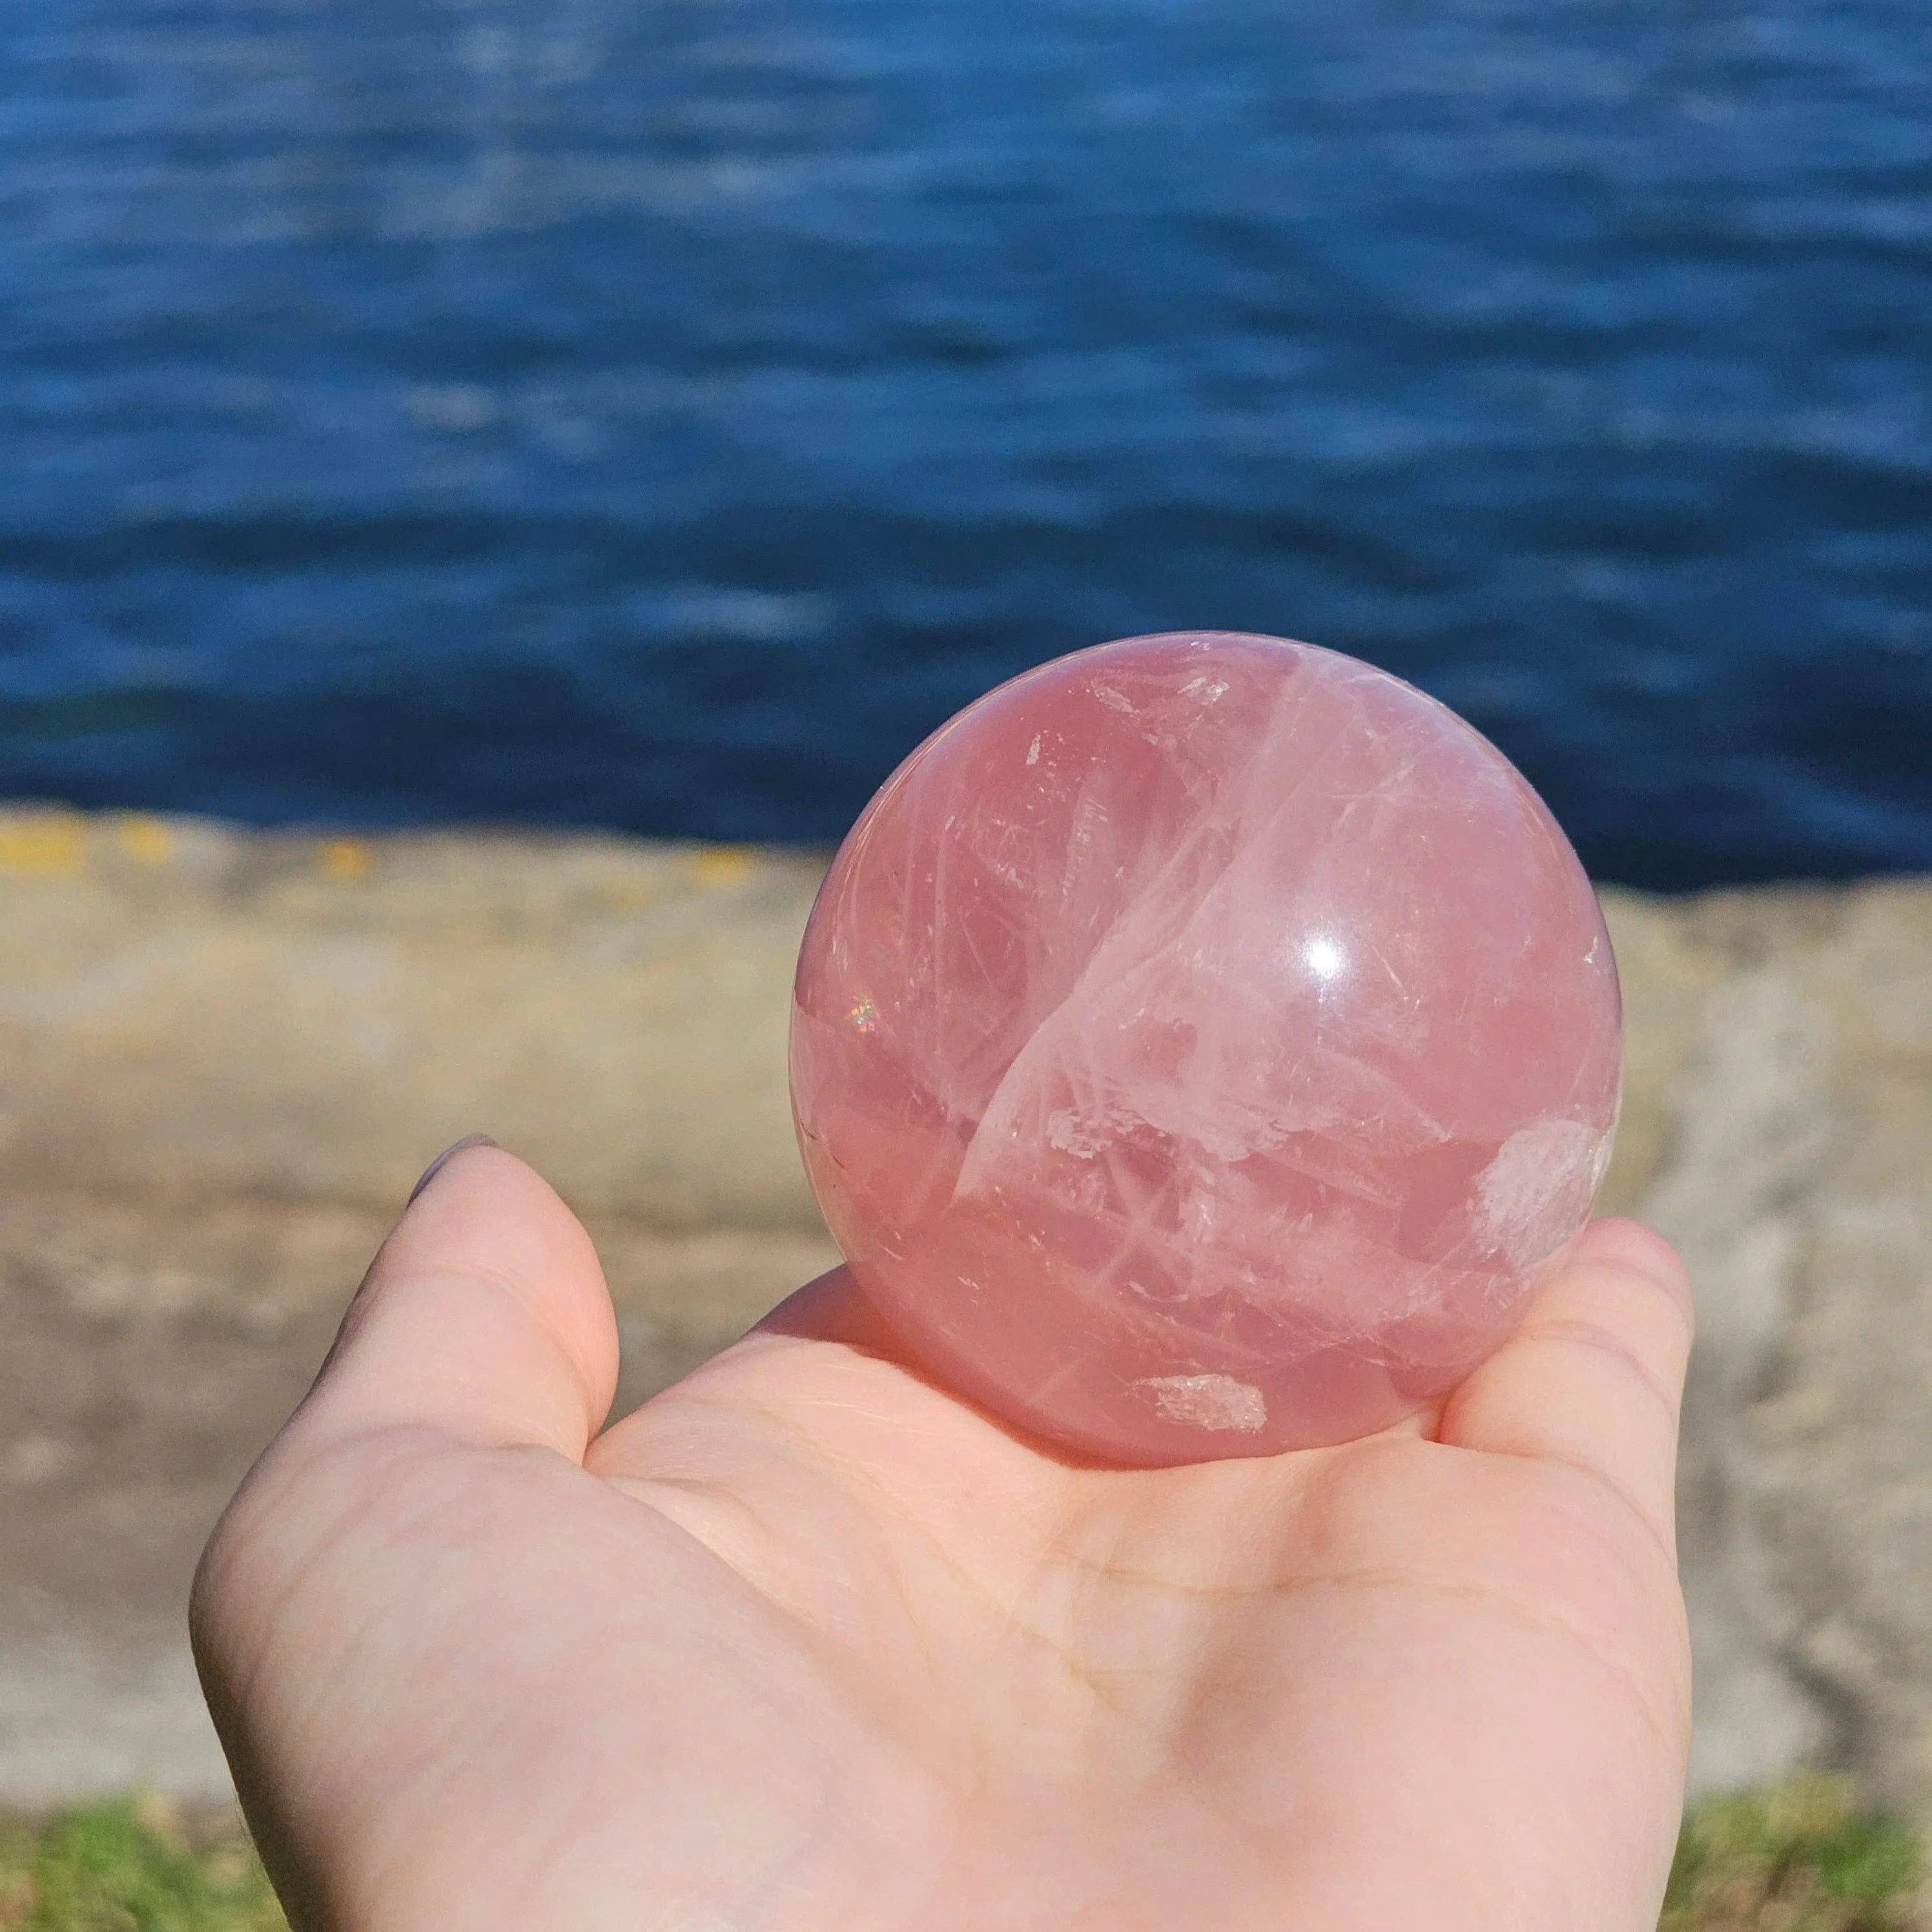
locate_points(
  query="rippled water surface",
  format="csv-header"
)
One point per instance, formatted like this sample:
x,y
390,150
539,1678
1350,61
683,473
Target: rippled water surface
x,y
660,412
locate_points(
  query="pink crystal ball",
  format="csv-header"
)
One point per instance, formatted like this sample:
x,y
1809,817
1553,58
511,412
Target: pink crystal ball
x,y
1203,1046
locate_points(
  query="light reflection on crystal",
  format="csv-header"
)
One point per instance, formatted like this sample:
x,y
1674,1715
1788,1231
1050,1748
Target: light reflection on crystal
x,y
1325,958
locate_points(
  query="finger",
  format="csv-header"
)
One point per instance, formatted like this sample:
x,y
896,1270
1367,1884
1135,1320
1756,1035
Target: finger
x,y
1595,1377
483,1317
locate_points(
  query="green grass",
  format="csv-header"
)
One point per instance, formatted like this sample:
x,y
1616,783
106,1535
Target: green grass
x,y
130,1868
1802,1857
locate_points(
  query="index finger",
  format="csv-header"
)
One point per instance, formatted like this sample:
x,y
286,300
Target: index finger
x,y
1595,1377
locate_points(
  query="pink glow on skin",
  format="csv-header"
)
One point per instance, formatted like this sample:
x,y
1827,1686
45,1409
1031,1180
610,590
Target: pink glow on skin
x,y
1202,1046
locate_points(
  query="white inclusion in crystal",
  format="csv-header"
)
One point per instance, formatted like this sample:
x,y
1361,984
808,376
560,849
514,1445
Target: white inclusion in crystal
x,y
1198,1212
1208,1402
1538,1186
1083,1135
1033,750
1324,958
1070,1134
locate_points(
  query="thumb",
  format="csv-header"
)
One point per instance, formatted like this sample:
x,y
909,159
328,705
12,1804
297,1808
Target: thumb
x,y
484,1318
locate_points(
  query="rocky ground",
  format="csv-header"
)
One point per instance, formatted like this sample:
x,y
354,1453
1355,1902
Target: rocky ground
x,y
224,1056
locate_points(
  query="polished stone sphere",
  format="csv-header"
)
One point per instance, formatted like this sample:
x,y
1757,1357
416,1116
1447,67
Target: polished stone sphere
x,y
1202,1046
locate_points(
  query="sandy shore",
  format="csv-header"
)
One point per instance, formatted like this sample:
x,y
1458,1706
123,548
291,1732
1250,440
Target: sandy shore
x,y
225,1056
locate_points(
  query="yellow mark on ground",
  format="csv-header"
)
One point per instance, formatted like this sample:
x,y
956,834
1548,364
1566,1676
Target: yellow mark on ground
x,y
150,841
344,859
44,845
722,864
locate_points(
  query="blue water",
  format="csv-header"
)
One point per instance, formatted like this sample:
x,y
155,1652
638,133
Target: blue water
x,y
659,413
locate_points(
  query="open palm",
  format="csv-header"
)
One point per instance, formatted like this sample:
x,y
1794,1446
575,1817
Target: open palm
x,y
808,1645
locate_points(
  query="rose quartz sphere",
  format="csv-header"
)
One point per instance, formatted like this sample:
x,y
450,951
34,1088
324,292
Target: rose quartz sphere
x,y
1202,1047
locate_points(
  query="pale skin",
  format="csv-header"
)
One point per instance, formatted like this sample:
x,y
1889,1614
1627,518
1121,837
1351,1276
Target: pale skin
x,y
807,1644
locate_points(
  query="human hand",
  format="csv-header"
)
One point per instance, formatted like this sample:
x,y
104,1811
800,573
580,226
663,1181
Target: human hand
x,y
807,1645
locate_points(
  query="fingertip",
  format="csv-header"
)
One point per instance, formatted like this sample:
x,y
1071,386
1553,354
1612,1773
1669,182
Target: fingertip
x,y
1594,1376
442,1160
1620,1242
487,1301
480,1209
487,1215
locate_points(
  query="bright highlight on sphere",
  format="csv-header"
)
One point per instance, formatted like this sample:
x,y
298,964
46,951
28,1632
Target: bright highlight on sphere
x,y
1202,1046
